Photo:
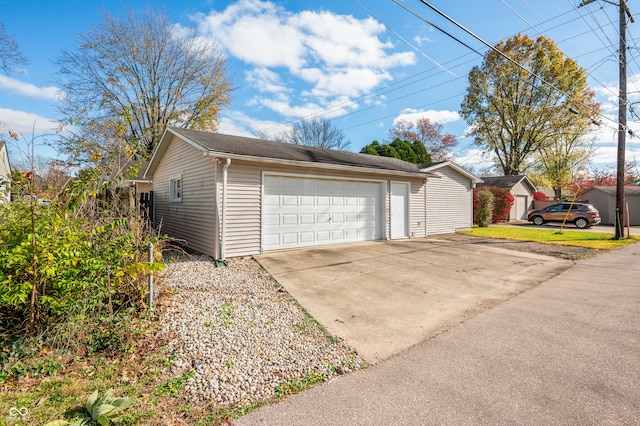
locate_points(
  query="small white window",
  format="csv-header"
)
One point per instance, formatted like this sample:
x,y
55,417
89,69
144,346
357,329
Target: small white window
x,y
175,190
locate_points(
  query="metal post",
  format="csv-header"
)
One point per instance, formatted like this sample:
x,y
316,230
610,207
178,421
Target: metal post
x,y
150,307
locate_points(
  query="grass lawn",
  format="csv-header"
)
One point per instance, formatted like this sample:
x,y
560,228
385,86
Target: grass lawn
x,y
592,240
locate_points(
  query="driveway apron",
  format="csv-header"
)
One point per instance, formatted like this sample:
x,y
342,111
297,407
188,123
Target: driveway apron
x,y
385,297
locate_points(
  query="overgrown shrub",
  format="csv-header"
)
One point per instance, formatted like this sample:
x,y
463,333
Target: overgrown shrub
x,y
79,260
482,208
502,202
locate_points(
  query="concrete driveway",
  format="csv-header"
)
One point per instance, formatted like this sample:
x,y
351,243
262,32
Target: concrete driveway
x,y
384,297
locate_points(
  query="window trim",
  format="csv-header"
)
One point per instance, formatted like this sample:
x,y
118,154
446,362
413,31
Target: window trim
x,y
176,189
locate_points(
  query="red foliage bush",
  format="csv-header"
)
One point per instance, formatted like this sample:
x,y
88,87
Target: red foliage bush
x,y
502,202
540,196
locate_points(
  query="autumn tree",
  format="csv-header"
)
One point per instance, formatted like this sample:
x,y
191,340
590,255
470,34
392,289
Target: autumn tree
x,y
315,131
556,163
11,57
519,101
412,152
128,78
439,145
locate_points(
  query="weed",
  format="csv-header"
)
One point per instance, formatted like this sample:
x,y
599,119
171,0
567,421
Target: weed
x,y
228,364
208,324
174,386
170,359
224,414
227,309
311,320
297,385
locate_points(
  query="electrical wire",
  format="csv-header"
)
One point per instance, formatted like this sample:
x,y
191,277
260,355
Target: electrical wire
x,y
499,52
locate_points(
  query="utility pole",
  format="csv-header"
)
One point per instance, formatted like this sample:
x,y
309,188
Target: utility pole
x,y
622,120
622,113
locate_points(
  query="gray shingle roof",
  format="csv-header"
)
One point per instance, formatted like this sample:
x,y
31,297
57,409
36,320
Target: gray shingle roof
x,y
250,147
505,182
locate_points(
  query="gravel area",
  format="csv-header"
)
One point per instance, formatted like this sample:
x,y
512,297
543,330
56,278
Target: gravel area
x,y
238,335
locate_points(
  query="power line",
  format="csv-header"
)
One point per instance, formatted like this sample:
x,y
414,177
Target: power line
x,y
498,51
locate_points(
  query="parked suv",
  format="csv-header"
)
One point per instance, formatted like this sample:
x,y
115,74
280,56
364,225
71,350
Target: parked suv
x,y
582,215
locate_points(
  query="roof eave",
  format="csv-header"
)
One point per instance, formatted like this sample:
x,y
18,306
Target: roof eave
x,y
161,148
325,166
456,167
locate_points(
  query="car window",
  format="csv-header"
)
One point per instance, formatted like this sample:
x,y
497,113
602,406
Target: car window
x,y
554,208
565,207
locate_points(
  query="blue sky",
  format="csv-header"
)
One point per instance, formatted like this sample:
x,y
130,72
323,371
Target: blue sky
x,y
362,64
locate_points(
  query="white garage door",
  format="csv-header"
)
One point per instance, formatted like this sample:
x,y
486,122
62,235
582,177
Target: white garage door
x,y
521,208
300,212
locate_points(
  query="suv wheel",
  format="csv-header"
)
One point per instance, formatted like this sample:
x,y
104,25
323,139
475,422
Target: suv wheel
x,y
538,220
581,222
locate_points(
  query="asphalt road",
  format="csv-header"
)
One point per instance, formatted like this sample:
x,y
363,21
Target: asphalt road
x,y
565,352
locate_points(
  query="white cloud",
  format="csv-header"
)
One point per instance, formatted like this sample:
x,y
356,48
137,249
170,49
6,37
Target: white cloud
x,y
266,80
27,89
323,54
27,124
420,40
475,160
239,124
434,116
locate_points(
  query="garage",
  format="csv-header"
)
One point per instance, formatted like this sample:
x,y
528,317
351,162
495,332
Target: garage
x,y
303,211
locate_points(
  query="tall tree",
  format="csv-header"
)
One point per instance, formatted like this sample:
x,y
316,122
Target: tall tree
x,y
516,107
556,164
438,144
316,131
131,77
11,57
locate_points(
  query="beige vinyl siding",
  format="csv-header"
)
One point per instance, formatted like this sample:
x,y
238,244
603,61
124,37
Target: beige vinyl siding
x,y
449,202
244,184
521,190
244,202
605,203
418,226
193,219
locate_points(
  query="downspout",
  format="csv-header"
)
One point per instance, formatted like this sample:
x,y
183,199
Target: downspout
x,y
223,237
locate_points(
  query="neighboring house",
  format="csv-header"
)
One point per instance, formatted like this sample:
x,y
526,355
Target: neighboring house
x,y
233,196
604,199
520,187
5,174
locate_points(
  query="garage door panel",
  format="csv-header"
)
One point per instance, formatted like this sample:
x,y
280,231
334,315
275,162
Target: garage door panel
x,y
289,238
307,200
322,201
307,237
271,220
307,219
301,211
289,219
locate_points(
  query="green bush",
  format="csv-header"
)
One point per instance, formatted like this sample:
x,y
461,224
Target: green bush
x,y
80,258
483,208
